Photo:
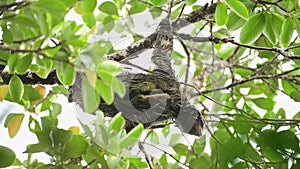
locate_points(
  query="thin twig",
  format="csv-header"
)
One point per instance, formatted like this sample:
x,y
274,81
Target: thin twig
x,y
167,153
147,157
154,6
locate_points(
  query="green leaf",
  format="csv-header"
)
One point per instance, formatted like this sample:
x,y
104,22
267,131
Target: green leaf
x,y
200,162
234,146
155,12
281,114
25,21
137,7
108,23
154,137
12,63
270,142
109,8
56,110
163,160
7,157
269,30
221,15
88,6
76,147
109,66
248,34
240,165
241,127
113,146
166,130
199,144
89,19
296,164
61,137
181,149
52,5
297,115
296,22
119,87
287,87
117,122
234,22
60,89
115,162
91,98
289,140
31,93
175,138
4,56
8,37
105,92
286,32
43,137
16,88
277,23
45,66
132,137
227,52
24,63
243,72
136,162
119,3
295,95
159,2
190,2
65,73
221,134
37,148
251,152
238,8
264,103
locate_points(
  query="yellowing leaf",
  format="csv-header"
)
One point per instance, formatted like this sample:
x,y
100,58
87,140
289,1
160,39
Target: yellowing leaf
x,y
93,30
85,6
3,91
13,123
91,77
42,91
74,129
78,8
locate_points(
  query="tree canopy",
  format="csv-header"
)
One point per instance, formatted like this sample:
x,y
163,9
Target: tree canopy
x,y
218,109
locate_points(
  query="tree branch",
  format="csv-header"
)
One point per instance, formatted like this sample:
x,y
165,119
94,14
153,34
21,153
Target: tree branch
x,y
148,41
225,40
31,78
16,6
282,76
36,51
